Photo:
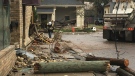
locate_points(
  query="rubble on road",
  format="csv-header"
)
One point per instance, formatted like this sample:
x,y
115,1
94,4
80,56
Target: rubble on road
x,y
43,54
46,53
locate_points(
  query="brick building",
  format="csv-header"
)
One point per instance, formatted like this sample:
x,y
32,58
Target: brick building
x,y
15,19
7,53
21,18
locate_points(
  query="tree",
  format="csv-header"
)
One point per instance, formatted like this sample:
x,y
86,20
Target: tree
x,y
97,5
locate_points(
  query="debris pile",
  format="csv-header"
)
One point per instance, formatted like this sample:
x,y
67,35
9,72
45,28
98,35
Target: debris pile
x,y
41,38
26,59
65,57
34,54
122,70
61,47
58,36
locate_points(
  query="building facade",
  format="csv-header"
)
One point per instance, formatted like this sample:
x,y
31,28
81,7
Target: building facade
x,y
61,11
7,52
4,25
109,7
21,19
14,25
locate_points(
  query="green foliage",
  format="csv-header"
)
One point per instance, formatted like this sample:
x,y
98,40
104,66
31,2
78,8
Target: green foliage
x,y
98,7
76,30
87,30
98,2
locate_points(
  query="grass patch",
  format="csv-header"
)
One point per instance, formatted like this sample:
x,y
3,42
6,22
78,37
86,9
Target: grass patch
x,y
99,27
69,29
76,30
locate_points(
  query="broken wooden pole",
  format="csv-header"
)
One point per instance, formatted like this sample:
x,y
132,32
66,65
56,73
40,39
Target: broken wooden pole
x,y
72,66
60,47
113,61
122,72
129,70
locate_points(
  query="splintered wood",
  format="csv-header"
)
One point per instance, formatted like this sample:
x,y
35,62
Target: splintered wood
x,y
61,47
57,36
40,37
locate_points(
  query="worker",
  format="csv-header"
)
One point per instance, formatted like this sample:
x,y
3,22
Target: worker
x,y
50,29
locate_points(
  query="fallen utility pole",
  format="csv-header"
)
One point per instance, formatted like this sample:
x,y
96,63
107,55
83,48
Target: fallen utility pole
x,y
122,72
61,47
72,66
113,61
129,70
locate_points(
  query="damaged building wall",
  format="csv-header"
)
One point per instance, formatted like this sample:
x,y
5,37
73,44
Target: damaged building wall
x,y
16,22
19,30
28,14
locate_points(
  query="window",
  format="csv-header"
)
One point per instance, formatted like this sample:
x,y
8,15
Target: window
x,y
67,18
4,26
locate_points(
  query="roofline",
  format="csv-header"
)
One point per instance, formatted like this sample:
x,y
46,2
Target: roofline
x,y
60,5
44,12
107,5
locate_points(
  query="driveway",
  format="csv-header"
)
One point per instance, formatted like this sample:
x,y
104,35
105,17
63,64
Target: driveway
x,y
95,44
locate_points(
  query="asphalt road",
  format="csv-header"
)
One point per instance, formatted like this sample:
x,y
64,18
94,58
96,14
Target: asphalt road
x,y
95,44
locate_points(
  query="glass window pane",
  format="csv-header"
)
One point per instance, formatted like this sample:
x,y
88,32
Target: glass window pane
x,y
1,26
6,27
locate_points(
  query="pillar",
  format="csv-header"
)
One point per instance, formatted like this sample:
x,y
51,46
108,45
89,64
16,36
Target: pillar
x,y
80,16
28,14
20,24
53,14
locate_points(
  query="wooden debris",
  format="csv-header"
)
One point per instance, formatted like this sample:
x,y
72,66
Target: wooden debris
x,y
60,47
122,72
129,70
76,66
40,37
113,61
58,36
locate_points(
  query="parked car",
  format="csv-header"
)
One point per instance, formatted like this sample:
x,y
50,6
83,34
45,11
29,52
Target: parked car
x,y
99,21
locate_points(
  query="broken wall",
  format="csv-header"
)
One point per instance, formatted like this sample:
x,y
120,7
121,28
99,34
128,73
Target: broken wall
x,y
20,30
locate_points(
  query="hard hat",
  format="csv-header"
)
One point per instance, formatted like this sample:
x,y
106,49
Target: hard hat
x,y
49,23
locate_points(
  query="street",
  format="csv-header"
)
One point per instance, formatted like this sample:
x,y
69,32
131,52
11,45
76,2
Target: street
x,y
95,44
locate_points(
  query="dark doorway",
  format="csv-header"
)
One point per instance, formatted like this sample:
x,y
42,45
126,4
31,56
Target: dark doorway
x,y
43,20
